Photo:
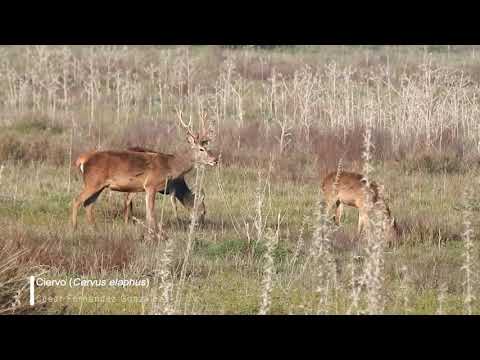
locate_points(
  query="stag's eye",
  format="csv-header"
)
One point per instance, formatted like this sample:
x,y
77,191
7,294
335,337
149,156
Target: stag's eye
x,y
202,149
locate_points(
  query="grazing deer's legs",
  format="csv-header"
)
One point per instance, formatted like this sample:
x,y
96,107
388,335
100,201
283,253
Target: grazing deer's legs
x,y
126,212
173,200
128,206
202,213
338,212
90,194
362,221
329,204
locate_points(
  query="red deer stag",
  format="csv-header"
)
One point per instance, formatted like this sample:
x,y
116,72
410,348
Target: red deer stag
x,y
132,172
177,188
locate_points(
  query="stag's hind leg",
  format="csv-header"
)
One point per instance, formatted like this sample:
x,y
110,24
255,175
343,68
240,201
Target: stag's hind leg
x,y
90,215
128,206
87,197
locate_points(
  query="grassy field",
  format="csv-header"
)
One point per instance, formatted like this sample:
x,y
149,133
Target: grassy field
x,y
283,119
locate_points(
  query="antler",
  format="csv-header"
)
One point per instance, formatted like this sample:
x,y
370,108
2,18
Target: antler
x,y
208,132
186,127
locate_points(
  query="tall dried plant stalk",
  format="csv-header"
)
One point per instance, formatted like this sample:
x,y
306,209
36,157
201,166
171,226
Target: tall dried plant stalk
x,y
323,260
199,173
356,285
165,306
374,228
261,215
268,271
2,167
442,294
404,290
468,254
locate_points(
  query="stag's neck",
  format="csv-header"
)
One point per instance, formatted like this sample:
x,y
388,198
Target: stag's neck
x,y
181,163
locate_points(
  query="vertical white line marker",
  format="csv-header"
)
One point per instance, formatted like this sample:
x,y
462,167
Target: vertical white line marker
x,y
32,290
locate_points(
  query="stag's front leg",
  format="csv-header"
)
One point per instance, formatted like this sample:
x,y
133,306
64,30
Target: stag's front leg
x,y
90,215
150,207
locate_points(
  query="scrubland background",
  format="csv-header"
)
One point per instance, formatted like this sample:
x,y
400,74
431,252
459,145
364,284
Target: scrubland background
x,y
283,118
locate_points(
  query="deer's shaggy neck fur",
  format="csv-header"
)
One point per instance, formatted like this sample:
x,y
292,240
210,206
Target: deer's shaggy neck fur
x,y
181,162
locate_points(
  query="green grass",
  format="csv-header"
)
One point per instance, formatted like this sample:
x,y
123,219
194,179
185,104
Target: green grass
x,y
225,270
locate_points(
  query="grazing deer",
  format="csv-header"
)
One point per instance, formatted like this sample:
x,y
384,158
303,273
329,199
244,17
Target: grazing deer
x,y
347,188
132,172
177,188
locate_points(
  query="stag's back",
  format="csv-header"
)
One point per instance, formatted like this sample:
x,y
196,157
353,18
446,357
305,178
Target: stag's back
x,y
118,162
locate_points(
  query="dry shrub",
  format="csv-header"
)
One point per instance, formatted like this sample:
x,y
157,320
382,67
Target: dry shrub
x,y
427,229
248,146
30,148
241,146
160,135
342,241
35,123
34,137
332,145
102,254
473,70
12,148
16,266
434,163
448,154
261,68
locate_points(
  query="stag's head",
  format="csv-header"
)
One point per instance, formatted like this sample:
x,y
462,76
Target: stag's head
x,y
201,154
199,144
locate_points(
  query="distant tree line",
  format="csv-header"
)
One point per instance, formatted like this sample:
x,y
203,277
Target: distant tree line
x,y
257,46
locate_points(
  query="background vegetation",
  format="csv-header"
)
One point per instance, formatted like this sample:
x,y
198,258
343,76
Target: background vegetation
x,y
284,117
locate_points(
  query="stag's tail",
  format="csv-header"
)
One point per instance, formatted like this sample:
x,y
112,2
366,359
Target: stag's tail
x,y
81,160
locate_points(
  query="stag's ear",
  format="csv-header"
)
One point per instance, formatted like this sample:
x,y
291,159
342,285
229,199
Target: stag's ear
x,y
204,142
